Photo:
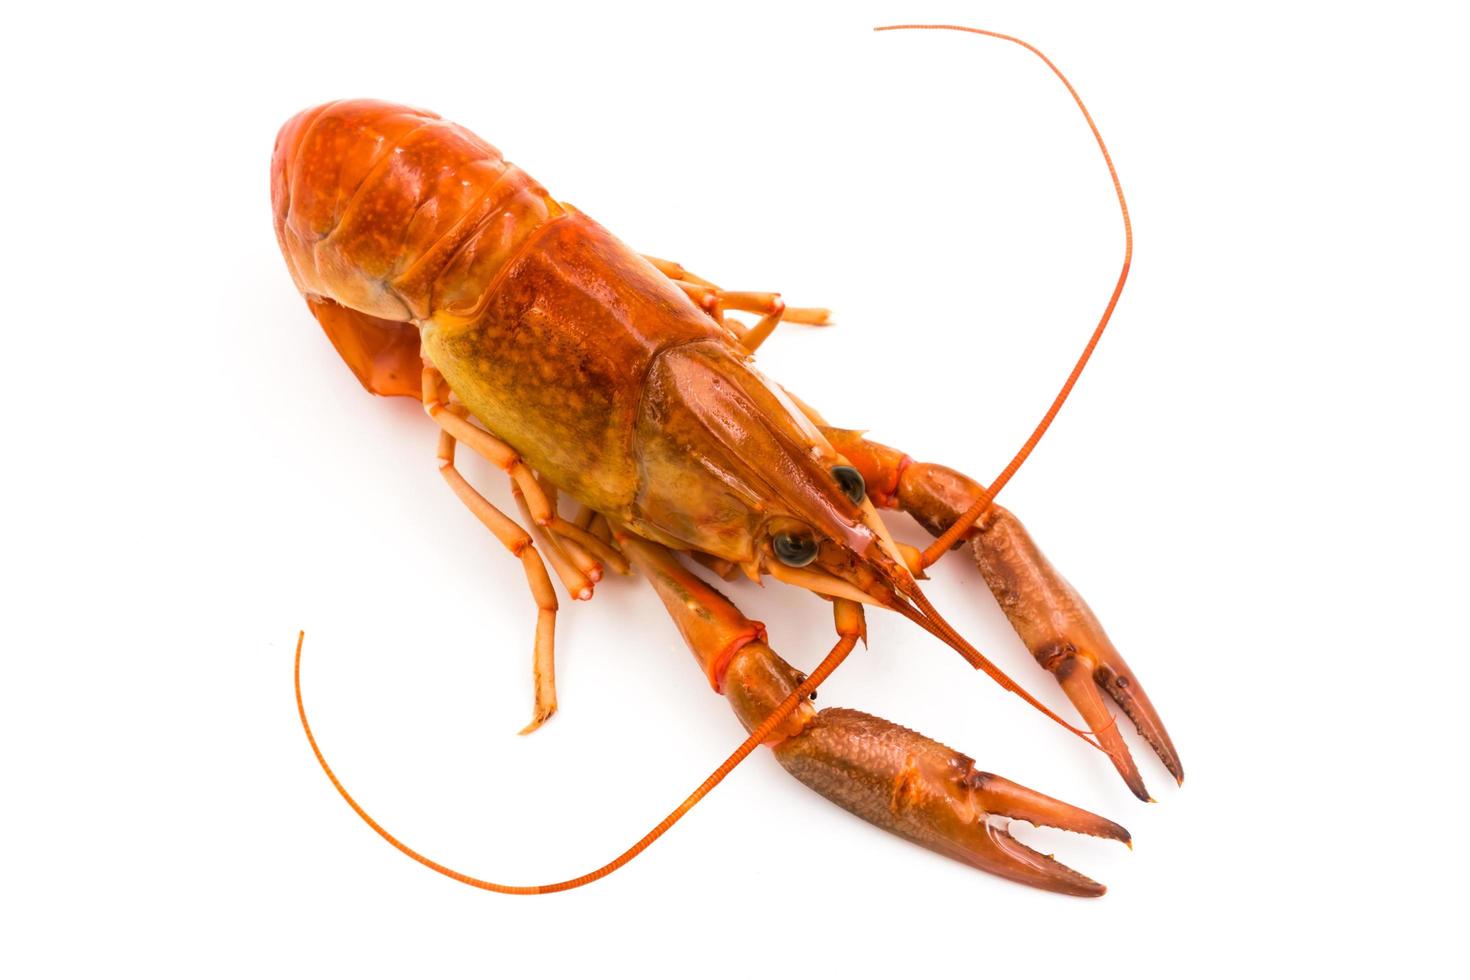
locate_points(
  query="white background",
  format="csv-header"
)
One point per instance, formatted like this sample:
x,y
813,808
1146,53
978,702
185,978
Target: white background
x,y
1259,485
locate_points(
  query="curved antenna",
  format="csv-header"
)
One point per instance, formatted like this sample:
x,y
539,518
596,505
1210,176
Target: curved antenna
x,y
946,540
763,731
845,643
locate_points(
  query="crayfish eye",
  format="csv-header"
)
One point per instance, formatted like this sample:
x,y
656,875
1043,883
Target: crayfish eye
x,y
851,482
795,550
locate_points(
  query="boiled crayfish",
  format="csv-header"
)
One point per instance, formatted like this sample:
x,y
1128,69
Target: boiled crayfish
x,y
622,383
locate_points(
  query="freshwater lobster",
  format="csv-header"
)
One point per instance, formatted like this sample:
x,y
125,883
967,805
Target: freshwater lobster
x,y
535,338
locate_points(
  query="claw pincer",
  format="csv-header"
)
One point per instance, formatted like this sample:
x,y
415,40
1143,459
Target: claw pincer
x,y
908,784
1049,615
1064,635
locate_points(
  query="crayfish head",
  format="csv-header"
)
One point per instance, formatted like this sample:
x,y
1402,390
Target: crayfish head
x,y
730,466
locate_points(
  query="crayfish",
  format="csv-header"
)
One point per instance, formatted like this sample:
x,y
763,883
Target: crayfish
x,y
620,397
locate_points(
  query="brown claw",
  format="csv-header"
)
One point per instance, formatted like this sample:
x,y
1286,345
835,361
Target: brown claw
x,y
917,788
1065,637
1052,619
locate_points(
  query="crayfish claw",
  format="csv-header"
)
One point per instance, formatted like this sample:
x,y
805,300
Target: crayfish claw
x,y
1049,615
932,795
1064,635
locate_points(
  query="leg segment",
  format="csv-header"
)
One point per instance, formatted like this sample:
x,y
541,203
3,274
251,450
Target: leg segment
x,y
572,573
715,301
456,424
1053,620
894,778
518,543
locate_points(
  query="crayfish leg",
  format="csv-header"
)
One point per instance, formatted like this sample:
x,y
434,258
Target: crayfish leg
x,y
716,301
518,541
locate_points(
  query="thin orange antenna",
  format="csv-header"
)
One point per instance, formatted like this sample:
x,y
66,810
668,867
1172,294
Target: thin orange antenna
x,y
946,540
928,618
763,731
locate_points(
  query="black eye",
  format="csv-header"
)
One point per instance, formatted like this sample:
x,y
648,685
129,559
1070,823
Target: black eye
x,y
793,550
851,482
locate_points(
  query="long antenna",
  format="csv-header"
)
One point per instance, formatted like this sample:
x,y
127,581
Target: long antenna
x,y
839,653
946,540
